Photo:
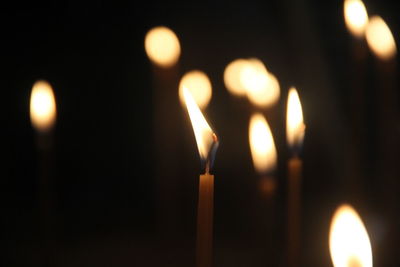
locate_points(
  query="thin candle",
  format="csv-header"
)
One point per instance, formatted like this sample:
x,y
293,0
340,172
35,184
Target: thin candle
x,y
349,242
295,129
163,49
43,117
207,144
386,111
263,152
356,20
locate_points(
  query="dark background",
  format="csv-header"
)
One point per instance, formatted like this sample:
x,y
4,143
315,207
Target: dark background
x,y
121,197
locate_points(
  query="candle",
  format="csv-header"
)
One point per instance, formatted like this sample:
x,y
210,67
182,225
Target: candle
x,y
295,134
163,50
349,242
356,20
386,113
43,118
263,152
264,157
207,144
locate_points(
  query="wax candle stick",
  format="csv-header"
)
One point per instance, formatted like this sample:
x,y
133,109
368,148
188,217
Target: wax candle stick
x,y
295,133
205,220
207,144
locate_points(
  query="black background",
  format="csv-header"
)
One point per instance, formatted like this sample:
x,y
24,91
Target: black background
x,y
110,204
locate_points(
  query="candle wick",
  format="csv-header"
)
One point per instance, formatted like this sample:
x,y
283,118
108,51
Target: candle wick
x,y
207,167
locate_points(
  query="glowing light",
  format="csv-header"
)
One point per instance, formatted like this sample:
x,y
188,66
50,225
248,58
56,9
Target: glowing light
x,y
262,87
199,86
294,122
162,46
205,137
348,239
262,144
232,76
380,39
355,16
42,106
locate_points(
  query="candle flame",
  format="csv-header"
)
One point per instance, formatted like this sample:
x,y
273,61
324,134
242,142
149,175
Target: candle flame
x,y
232,75
380,38
42,106
162,46
294,122
205,137
262,144
250,77
349,243
199,85
356,17
262,87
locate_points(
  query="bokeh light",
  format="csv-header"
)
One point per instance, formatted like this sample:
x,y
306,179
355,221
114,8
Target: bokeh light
x,y
162,46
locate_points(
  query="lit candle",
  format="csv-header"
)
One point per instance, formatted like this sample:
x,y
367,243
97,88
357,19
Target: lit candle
x,y
163,50
263,153
295,129
264,157
380,39
207,144
356,20
386,111
43,117
349,242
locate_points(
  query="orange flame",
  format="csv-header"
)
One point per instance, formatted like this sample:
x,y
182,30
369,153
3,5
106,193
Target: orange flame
x,y
42,106
295,127
162,46
380,39
355,16
199,85
205,137
262,144
348,239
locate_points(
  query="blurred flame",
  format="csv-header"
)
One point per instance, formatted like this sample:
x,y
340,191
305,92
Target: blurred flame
x,y
294,122
249,77
199,86
162,46
380,38
355,16
348,239
262,87
204,135
262,144
42,106
232,75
